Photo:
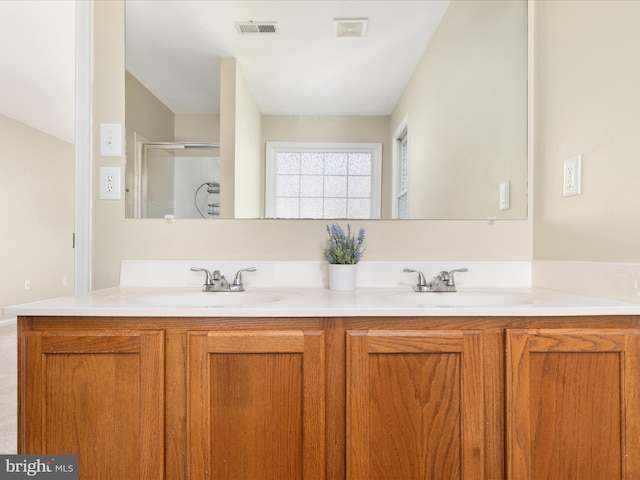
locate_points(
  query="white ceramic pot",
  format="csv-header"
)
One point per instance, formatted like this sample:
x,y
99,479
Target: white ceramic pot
x,y
342,277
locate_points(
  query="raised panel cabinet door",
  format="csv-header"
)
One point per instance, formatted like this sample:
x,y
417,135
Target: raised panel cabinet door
x,y
415,405
573,404
97,395
256,405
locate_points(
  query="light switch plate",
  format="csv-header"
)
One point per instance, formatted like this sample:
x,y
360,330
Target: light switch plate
x,y
110,139
505,194
572,182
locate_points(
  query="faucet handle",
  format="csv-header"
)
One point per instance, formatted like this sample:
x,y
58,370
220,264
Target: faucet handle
x,y
237,281
450,280
421,286
209,278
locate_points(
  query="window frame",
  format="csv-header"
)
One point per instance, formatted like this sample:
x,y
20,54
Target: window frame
x,y
400,136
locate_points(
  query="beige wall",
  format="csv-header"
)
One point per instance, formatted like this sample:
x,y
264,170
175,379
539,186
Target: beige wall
x,y
191,127
37,195
587,102
227,136
145,114
115,238
248,179
149,117
241,123
465,103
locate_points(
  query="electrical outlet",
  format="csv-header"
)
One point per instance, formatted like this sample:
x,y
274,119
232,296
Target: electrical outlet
x,y
110,183
572,179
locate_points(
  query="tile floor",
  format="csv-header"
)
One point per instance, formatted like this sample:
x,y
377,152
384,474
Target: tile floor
x,y
8,387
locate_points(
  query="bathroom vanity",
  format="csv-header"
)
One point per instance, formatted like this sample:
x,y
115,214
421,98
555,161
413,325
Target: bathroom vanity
x,y
309,383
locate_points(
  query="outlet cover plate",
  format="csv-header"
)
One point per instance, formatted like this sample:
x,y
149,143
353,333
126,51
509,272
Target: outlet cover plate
x,y
572,179
110,183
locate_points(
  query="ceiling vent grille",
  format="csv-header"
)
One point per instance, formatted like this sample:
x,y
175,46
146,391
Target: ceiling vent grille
x,y
246,28
350,27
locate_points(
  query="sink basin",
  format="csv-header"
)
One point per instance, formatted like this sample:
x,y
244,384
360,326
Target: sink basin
x,y
456,299
203,299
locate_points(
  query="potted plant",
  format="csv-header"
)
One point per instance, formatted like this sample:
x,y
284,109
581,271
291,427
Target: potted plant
x,y
343,253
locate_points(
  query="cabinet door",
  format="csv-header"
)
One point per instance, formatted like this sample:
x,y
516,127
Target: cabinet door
x,y
573,404
415,406
100,396
256,405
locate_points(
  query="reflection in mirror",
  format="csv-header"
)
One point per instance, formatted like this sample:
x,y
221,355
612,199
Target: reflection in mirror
x,y
180,179
440,85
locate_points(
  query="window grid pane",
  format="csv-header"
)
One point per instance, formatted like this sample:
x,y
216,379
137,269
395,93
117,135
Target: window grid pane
x,y
404,169
402,207
323,184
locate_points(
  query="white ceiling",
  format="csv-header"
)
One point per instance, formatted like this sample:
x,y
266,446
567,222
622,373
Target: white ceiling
x,y
37,65
174,49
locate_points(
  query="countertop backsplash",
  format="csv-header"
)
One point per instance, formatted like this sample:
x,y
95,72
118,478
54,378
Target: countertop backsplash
x,y
313,274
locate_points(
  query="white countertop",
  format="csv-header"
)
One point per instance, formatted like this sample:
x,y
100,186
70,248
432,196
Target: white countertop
x,y
321,302
168,288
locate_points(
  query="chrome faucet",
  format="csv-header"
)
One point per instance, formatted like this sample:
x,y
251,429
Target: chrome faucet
x,y
216,282
443,282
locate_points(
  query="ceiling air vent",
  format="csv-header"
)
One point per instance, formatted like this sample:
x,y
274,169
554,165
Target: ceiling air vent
x,y
245,28
350,27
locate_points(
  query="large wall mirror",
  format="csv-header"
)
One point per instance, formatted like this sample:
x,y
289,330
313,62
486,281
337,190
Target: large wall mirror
x,y
437,90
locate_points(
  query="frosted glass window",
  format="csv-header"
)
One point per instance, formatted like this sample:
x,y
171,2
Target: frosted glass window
x,y
312,164
289,163
311,208
335,208
288,186
335,186
336,163
404,166
358,207
359,187
401,168
402,206
311,186
359,164
289,207
328,180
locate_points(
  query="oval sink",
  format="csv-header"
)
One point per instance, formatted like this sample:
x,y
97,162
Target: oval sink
x,y
203,299
457,299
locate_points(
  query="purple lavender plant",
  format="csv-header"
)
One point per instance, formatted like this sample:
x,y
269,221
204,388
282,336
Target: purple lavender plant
x,y
344,248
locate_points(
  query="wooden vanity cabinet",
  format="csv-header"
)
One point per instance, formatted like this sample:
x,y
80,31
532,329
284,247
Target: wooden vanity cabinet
x,y
99,395
493,398
175,399
409,398
415,404
256,406
573,404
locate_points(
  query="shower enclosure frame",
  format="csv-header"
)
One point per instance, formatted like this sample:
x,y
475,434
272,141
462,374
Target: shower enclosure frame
x,y
139,185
